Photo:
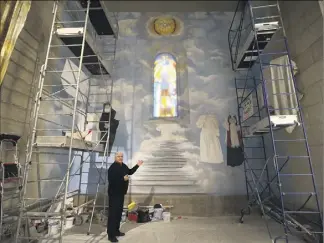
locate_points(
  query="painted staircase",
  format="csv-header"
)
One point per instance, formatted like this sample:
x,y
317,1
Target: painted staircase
x,y
165,172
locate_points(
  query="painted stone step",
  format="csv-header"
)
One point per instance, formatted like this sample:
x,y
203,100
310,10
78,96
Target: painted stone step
x,y
163,170
163,165
161,177
165,162
166,149
162,173
165,158
166,189
170,143
170,153
162,183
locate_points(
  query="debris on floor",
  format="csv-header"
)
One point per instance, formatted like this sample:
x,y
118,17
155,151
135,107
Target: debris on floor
x,y
145,214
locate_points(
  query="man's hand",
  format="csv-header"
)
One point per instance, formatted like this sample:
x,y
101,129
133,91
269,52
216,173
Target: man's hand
x,y
126,178
140,162
106,125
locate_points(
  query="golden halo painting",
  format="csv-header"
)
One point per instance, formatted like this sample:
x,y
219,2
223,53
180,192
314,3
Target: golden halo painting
x,y
164,26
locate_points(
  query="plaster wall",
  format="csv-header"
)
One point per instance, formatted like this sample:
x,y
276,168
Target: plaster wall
x,y
305,40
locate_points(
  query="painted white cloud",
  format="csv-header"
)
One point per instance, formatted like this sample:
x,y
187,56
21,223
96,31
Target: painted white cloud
x,y
206,103
195,54
198,15
210,78
197,32
136,14
216,58
124,54
148,99
126,27
222,15
220,103
197,97
191,70
189,146
122,86
145,64
170,128
217,52
219,55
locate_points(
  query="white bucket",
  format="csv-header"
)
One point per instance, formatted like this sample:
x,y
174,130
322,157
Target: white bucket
x,y
166,216
53,226
69,222
158,214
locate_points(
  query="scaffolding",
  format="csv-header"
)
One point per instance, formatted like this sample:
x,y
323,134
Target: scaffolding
x,y
66,141
272,123
10,184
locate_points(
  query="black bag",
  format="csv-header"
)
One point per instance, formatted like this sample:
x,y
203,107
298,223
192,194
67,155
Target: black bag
x,y
157,206
143,216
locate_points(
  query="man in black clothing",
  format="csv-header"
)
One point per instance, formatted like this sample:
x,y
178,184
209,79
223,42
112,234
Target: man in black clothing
x,y
118,185
108,123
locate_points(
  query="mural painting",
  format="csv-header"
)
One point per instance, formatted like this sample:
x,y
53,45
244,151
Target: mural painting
x,y
173,87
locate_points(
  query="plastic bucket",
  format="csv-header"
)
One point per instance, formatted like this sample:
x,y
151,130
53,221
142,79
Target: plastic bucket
x,y
158,213
166,216
69,222
53,226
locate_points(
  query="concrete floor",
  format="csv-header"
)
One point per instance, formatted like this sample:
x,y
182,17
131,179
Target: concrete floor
x,y
185,230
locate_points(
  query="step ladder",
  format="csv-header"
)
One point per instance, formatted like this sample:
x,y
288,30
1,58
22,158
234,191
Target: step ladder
x,y
257,40
64,86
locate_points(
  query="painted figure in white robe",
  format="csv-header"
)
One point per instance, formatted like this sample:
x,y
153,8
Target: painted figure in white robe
x,y
210,148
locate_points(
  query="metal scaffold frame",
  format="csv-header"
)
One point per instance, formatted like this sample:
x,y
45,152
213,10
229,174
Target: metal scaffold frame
x,y
257,40
10,185
43,212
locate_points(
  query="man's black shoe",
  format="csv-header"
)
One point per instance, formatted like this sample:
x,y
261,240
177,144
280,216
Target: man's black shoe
x,y
112,239
120,234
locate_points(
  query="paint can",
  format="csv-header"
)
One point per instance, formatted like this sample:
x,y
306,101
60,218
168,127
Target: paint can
x,y
69,222
53,226
158,214
166,217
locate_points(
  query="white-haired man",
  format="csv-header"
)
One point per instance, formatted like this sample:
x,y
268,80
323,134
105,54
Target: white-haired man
x,y
118,174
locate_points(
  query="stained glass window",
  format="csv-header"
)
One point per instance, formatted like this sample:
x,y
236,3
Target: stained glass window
x,y
165,86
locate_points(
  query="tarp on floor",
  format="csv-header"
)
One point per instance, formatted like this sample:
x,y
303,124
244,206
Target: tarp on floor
x,y
13,16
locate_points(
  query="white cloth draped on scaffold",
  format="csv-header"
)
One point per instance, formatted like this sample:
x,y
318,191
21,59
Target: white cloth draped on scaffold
x,y
280,88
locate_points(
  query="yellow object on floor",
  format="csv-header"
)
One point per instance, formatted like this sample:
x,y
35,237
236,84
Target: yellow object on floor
x,y
131,206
